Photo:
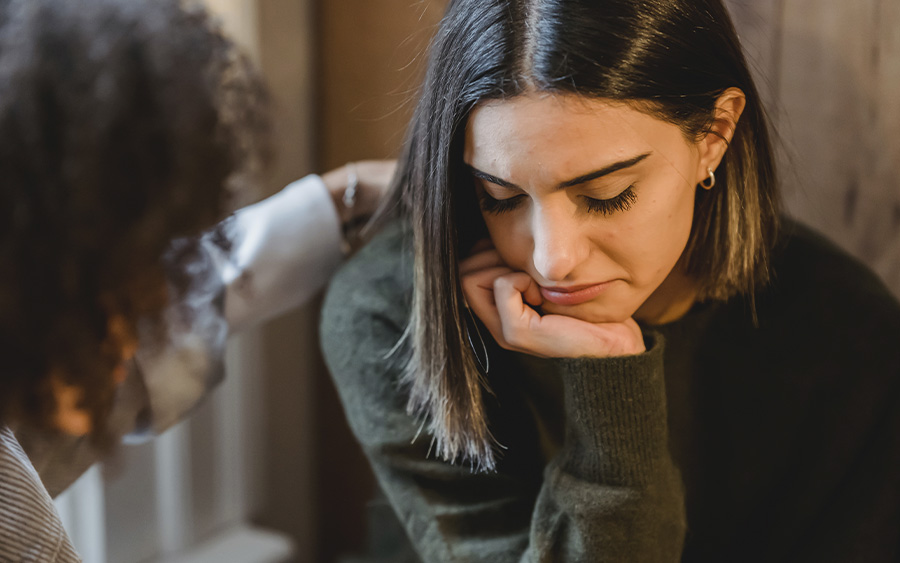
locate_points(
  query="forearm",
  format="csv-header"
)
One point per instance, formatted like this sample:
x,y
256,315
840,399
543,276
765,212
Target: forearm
x,y
610,494
614,482
286,247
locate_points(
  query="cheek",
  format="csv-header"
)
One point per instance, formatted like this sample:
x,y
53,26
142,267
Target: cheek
x,y
512,243
672,229
652,241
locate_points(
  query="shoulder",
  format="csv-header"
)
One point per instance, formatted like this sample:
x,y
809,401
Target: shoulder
x,y
812,271
376,281
29,523
367,304
827,308
364,317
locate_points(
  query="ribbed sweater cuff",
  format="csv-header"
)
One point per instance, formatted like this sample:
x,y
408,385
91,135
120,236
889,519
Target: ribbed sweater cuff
x,y
617,431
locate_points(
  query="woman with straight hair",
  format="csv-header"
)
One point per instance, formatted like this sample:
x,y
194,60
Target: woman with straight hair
x,y
588,334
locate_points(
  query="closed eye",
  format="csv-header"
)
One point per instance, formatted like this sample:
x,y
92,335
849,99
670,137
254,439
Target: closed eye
x,y
621,202
497,206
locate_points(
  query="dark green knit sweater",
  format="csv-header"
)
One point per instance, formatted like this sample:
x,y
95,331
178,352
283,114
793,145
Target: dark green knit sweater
x,y
728,440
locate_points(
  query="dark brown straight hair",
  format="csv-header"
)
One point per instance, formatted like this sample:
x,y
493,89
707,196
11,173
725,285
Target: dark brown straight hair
x,y
671,59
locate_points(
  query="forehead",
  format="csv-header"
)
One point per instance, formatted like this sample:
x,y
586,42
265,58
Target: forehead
x,y
561,134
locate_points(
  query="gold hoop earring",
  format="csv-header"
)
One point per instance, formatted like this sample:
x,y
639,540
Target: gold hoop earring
x,y
708,183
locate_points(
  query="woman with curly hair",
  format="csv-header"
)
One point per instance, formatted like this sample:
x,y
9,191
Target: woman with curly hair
x,y
125,125
590,335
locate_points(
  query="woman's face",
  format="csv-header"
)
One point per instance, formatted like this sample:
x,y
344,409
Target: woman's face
x,y
593,199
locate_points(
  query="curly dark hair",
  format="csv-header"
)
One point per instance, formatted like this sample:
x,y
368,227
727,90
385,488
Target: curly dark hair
x,y
123,124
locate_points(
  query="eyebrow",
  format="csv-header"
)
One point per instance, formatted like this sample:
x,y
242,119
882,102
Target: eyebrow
x,y
614,167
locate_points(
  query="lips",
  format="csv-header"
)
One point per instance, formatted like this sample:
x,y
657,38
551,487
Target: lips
x,y
574,295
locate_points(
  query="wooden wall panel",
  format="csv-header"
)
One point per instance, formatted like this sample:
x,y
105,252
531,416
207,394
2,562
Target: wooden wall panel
x,y
370,63
288,346
831,73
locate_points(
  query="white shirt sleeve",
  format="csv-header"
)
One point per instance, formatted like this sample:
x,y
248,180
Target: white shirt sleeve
x,y
283,250
286,248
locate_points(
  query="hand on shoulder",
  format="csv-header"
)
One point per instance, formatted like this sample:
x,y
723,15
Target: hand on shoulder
x,y
370,180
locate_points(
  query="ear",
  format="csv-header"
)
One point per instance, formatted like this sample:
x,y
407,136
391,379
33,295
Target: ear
x,y
712,147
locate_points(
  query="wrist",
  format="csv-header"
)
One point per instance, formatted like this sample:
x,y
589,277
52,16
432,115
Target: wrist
x,y
344,186
337,182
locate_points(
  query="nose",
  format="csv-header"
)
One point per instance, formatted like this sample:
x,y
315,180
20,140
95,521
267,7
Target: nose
x,y
559,245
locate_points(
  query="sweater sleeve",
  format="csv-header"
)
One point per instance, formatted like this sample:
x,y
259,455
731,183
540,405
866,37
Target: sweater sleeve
x,y
611,493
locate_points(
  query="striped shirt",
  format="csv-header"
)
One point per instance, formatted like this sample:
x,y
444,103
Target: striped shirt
x,y
30,528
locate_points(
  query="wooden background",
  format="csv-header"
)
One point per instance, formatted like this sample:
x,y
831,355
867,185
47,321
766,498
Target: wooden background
x,y
830,72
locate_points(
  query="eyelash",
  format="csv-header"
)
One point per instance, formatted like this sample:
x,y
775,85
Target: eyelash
x,y
606,207
621,202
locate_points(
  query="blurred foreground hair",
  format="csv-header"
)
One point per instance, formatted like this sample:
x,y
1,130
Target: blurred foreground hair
x,y
123,124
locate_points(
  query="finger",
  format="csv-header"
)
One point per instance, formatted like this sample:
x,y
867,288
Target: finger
x,y
374,179
515,315
479,285
376,173
532,294
482,260
479,293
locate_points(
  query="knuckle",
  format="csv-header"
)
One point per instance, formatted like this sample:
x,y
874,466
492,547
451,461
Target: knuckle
x,y
502,283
